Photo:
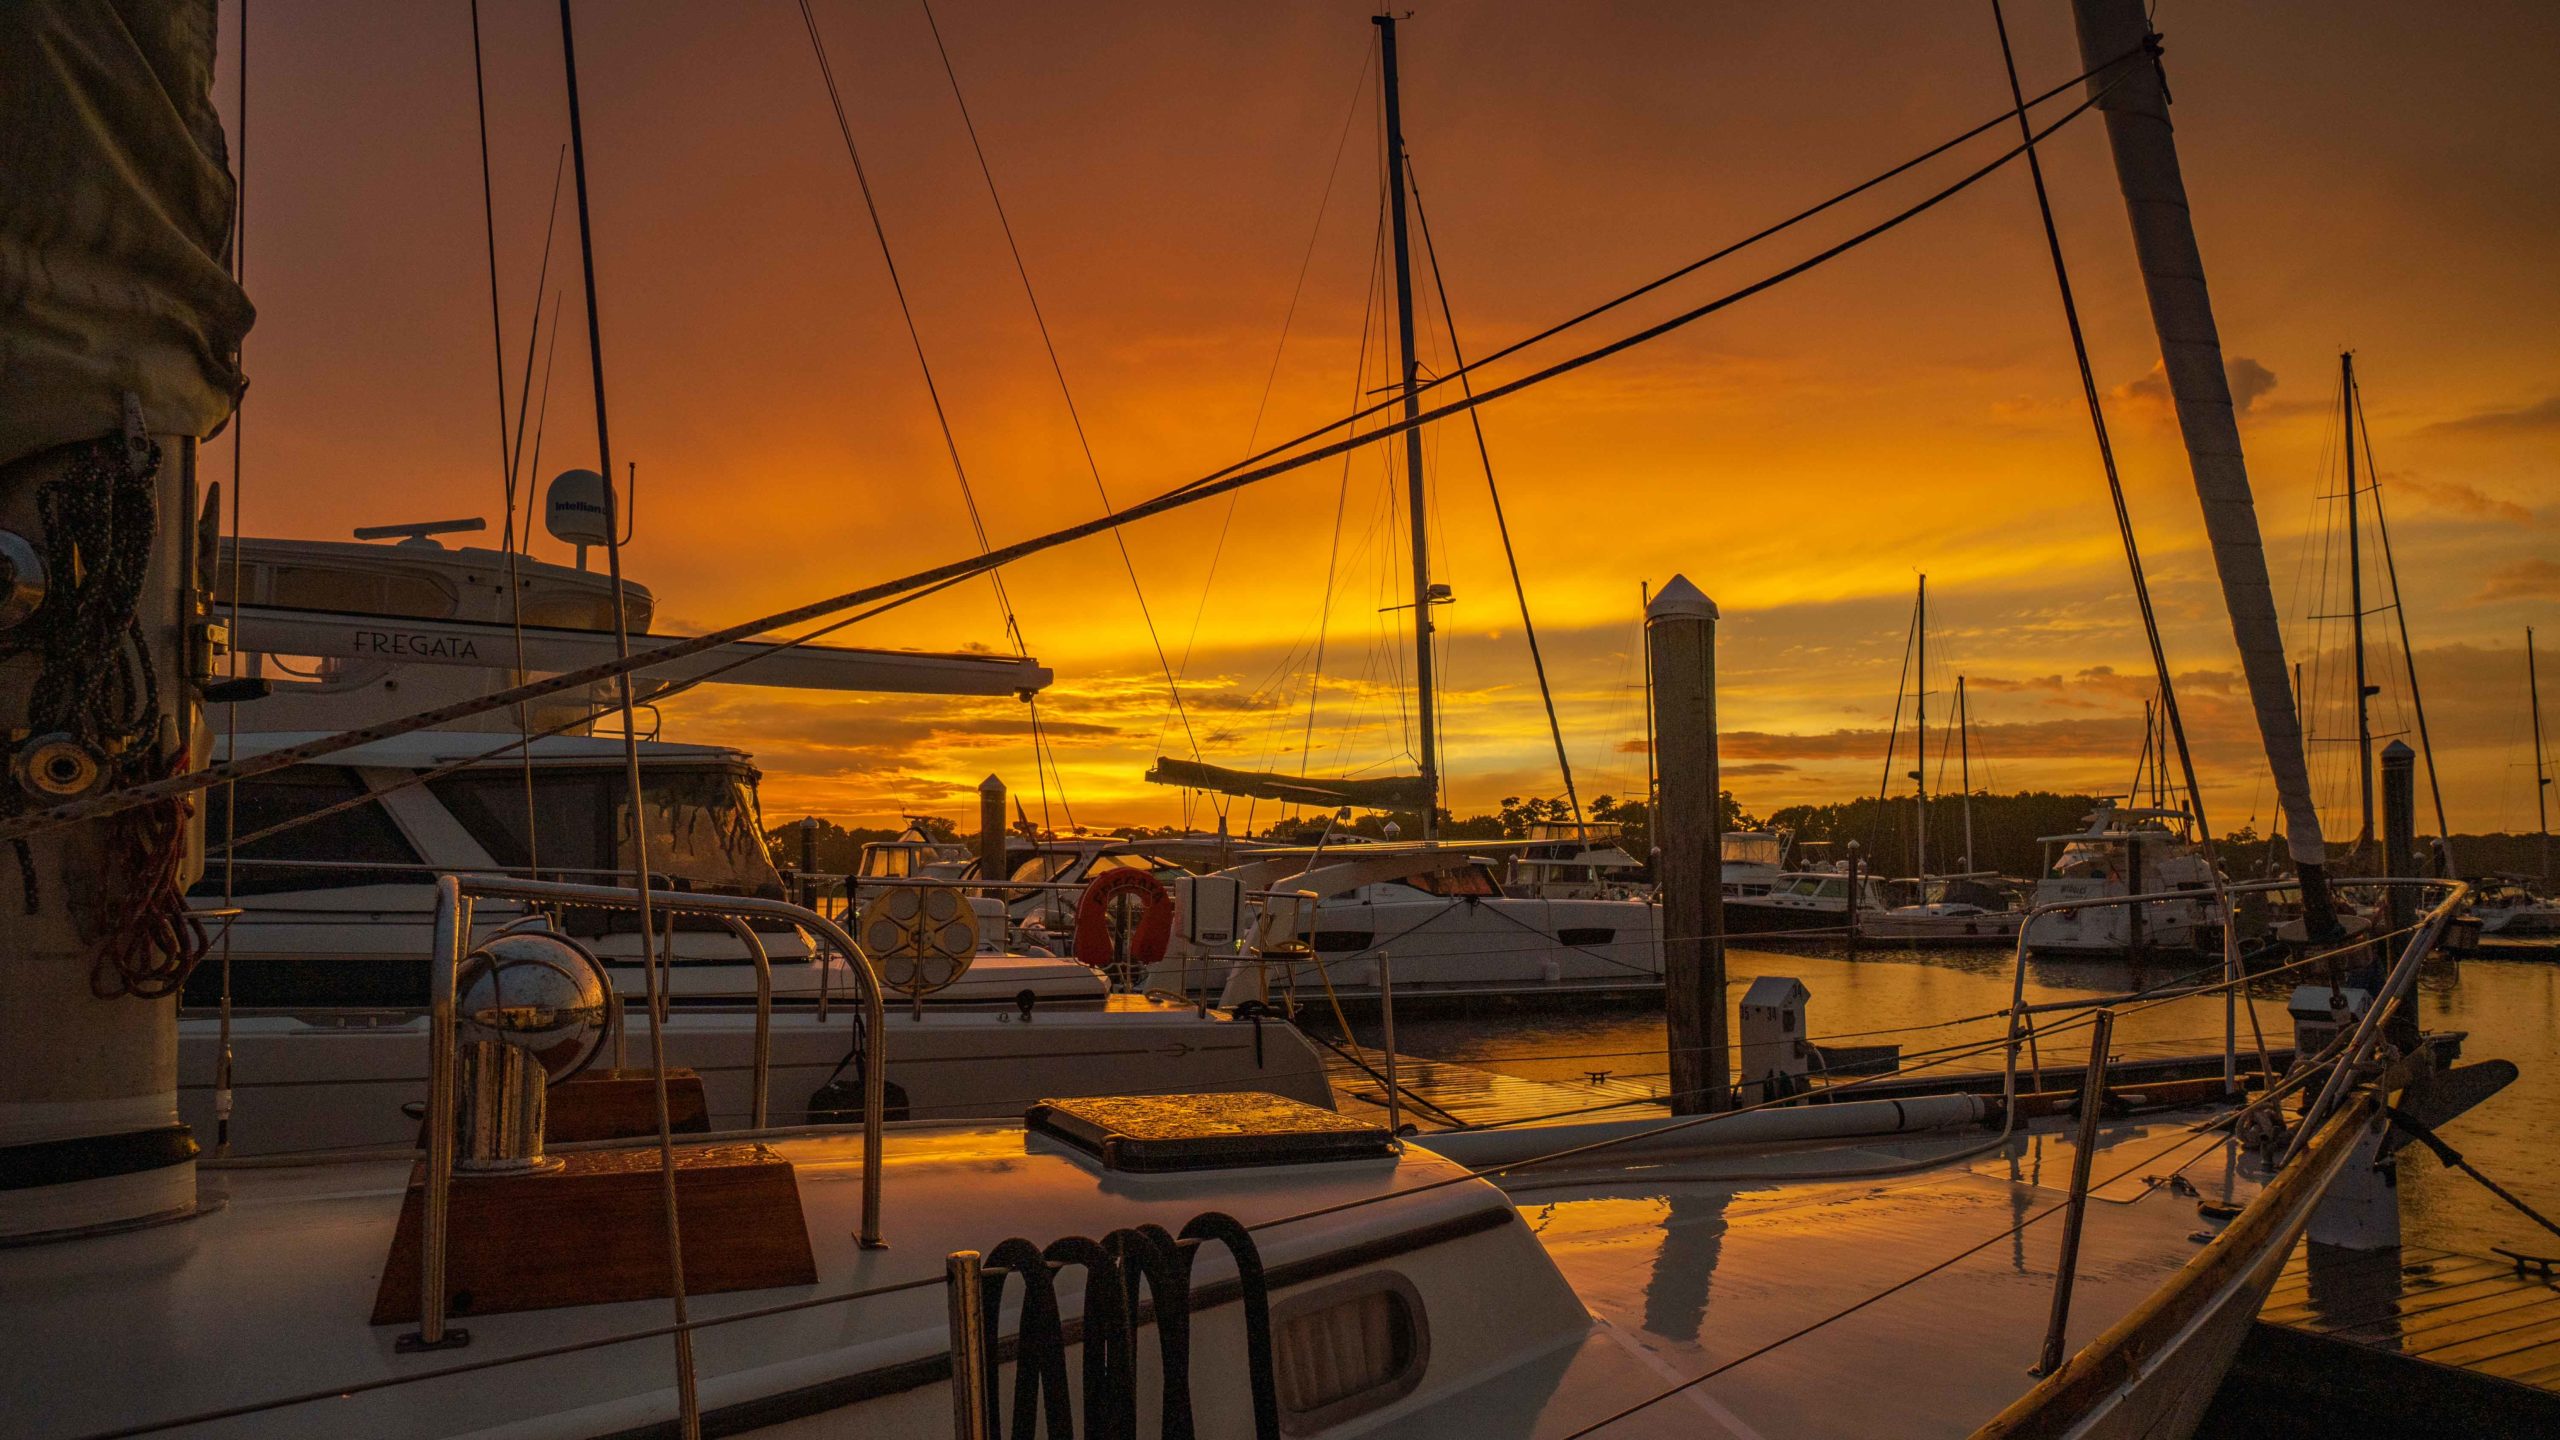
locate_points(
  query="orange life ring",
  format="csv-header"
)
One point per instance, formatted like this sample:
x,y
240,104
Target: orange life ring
x,y
1147,938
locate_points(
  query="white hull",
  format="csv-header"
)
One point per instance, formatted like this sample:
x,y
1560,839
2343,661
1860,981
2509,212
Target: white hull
x,y
2107,931
1503,945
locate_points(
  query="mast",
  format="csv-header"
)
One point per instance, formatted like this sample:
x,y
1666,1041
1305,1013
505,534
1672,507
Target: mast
x,y
2408,654
1415,502
2541,778
2117,41
1920,730
2355,607
1964,768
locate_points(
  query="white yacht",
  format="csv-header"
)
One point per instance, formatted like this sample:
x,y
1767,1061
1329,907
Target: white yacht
x,y
1755,861
1567,861
1805,901
2125,850
2506,906
324,970
1432,918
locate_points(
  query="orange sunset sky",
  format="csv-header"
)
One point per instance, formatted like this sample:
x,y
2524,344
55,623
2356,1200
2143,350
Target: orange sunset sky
x,y
2384,177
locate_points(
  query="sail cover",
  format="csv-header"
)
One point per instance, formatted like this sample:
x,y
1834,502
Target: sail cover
x,y
115,223
1384,792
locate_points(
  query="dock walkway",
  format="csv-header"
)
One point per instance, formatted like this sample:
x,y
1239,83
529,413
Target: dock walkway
x,y
2407,1342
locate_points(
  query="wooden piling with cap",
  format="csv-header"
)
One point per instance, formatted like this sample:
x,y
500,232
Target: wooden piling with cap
x,y
1688,839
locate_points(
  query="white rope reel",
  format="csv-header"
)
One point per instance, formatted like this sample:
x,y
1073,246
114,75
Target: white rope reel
x,y
922,937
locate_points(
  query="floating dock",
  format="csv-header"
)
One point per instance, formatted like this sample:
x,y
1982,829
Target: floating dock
x,y
2408,1343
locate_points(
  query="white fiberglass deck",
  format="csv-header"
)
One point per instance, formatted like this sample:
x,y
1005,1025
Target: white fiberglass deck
x,y
1692,1275
1672,1272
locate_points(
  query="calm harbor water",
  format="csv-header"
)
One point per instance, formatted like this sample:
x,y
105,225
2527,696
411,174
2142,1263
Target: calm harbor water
x,y
2510,1010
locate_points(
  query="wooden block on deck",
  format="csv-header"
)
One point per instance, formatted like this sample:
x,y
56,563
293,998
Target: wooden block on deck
x,y
592,1231
623,1105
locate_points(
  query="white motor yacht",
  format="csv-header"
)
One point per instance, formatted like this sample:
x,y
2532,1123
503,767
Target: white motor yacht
x,y
324,968
2125,851
1434,919
2505,906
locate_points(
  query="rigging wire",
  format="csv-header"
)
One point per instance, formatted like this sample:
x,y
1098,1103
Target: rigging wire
x,y
1893,734
1502,525
933,391
39,821
1057,368
1271,379
2408,654
654,963
1766,232
510,449
231,708
2176,722
1369,312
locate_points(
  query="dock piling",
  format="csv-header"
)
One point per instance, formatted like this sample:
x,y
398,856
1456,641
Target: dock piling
x,y
1688,825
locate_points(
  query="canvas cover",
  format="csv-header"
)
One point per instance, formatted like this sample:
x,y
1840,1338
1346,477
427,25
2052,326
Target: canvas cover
x,y
1385,792
115,221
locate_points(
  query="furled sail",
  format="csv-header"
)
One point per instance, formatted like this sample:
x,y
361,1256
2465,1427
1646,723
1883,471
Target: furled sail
x,y
115,224
1384,792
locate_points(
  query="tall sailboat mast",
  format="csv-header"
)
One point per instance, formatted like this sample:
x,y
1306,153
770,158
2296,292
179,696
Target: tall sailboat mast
x,y
1964,768
2541,777
2355,607
1920,728
1426,708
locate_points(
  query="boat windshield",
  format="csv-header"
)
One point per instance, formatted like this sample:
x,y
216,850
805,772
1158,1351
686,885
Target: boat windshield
x,y
887,862
701,824
2084,860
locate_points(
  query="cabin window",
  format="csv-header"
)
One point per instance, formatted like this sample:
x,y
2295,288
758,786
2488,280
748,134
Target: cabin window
x,y
1832,890
1347,1350
1743,848
364,587
1041,866
363,833
1584,937
885,862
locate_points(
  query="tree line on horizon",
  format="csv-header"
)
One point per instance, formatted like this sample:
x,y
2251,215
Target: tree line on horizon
x,y
2007,831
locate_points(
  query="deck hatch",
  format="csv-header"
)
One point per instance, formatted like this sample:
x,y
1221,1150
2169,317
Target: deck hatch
x,y
1143,1133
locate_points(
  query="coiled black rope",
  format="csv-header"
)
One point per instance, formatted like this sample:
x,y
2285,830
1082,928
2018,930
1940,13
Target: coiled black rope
x,y
1116,1268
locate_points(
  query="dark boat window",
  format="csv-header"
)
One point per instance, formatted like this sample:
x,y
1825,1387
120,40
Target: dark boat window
x,y
362,833
1586,936
569,817
1470,880
1347,1349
